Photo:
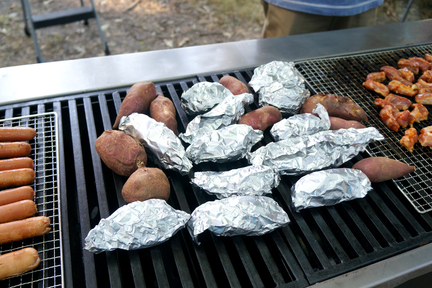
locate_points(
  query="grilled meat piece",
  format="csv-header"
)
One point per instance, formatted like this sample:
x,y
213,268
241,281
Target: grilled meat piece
x,y
419,113
407,74
427,76
399,88
394,74
423,86
422,63
425,137
410,65
424,98
400,102
376,76
377,87
387,116
409,139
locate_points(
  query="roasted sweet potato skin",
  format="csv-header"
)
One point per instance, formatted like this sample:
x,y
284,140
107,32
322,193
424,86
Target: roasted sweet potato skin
x,y
138,100
337,123
236,86
379,169
162,110
121,152
262,118
337,106
146,183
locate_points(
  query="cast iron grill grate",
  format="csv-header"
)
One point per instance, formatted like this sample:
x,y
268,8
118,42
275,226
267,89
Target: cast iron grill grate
x,y
317,245
344,76
44,154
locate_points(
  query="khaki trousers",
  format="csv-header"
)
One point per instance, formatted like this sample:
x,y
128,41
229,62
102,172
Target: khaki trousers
x,y
283,22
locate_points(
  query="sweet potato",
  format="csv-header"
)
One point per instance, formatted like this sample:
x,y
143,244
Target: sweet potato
x,y
337,123
162,110
138,99
121,152
379,169
146,183
234,85
338,106
262,118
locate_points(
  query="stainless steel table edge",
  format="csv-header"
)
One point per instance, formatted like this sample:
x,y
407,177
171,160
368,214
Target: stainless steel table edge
x,y
44,80
391,272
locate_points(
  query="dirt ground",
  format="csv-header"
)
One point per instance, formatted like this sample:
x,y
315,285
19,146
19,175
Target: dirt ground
x,y
140,25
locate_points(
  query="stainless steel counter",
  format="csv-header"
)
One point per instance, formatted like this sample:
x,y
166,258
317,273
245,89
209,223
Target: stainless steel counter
x,y
38,81
43,80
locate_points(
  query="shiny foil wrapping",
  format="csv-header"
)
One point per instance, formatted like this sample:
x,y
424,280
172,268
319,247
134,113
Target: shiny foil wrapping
x,y
325,149
137,225
237,215
223,145
166,148
279,84
225,113
329,187
301,124
203,96
245,181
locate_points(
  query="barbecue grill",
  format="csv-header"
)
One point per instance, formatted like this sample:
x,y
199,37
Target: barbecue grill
x,y
319,244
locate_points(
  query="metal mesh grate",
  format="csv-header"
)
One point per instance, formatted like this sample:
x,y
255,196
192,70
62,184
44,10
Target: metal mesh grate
x,y
344,76
44,154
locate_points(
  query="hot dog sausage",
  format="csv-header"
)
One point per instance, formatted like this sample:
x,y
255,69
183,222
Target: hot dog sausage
x,y
18,262
17,133
16,163
16,177
14,149
17,211
23,229
16,194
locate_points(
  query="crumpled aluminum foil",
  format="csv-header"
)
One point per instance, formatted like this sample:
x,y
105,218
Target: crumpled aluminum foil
x,y
249,180
229,143
325,149
137,225
237,215
279,84
302,124
167,149
203,96
225,113
329,187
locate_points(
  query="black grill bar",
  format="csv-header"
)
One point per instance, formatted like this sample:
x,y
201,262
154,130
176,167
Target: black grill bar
x,y
318,243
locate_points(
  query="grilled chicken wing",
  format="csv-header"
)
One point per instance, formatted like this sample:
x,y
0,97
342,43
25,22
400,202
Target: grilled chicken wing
x,y
409,139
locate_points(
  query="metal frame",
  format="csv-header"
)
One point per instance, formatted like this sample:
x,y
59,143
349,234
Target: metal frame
x,y
33,22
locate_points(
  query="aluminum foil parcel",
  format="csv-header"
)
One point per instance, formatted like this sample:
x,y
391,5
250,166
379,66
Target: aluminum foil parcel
x,y
249,180
302,124
329,187
223,145
137,225
237,215
325,149
166,148
225,113
279,84
203,96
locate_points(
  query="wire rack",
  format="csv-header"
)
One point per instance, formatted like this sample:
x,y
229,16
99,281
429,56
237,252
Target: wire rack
x,y
344,76
46,186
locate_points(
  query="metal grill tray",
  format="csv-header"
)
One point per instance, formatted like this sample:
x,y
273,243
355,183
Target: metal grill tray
x,y
344,76
45,156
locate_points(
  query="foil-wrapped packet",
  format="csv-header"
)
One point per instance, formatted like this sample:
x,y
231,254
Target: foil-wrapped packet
x,y
166,148
325,149
329,187
237,215
245,181
225,113
229,143
279,84
137,225
203,96
301,124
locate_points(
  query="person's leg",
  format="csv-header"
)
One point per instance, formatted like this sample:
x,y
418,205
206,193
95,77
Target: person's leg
x,y
281,22
367,18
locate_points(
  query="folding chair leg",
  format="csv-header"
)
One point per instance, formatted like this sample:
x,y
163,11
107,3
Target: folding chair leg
x,y
29,29
104,43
